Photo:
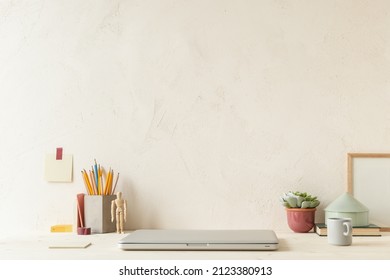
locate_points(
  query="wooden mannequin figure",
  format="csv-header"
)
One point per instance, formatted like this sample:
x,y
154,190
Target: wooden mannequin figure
x,y
119,206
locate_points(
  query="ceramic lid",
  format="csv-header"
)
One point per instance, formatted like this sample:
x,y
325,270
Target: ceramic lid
x,y
346,203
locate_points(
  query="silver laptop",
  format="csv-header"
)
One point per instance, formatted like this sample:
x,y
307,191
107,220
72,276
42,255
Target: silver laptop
x,y
153,239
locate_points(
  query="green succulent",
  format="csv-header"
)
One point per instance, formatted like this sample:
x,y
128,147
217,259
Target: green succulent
x,y
299,200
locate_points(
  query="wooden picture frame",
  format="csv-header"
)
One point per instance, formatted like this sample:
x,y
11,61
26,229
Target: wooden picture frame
x,y
369,182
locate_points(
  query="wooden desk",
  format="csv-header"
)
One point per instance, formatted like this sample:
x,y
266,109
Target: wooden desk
x,y
305,246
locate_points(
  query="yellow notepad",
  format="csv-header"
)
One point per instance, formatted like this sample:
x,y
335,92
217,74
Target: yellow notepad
x,y
61,228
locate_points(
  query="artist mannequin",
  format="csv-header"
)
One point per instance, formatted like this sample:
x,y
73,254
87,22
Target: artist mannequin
x,y
120,212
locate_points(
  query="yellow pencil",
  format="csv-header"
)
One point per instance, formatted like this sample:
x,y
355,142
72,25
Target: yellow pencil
x,y
107,177
86,182
100,181
106,185
110,185
93,182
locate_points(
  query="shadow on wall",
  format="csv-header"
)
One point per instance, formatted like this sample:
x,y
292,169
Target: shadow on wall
x,y
138,215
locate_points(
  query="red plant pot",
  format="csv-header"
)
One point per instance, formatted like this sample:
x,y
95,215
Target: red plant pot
x,y
300,219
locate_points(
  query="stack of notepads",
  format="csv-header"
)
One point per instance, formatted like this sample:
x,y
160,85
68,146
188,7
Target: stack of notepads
x,y
370,230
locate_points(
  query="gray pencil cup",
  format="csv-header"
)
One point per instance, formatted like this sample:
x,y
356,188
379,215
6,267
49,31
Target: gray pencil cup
x,y
97,212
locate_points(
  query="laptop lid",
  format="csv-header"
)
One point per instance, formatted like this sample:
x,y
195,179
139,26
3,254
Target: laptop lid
x,y
153,239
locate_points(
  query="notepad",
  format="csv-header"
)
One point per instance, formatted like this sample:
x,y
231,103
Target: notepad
x,y
70,245
58,170
61,228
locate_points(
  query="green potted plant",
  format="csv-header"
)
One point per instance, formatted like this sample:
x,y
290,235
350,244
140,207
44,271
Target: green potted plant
x,y
300,208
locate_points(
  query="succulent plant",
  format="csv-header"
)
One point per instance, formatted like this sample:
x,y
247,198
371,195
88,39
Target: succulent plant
x,y
299,200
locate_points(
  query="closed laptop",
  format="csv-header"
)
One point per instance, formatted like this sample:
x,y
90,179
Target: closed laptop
x,y
154,239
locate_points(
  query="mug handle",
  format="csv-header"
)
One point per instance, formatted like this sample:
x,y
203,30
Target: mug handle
x,y
348,226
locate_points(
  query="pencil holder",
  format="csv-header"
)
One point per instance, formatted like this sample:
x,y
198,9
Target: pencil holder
x,y
97,211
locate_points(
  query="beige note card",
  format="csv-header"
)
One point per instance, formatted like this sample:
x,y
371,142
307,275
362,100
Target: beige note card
x,y
70,245
58,170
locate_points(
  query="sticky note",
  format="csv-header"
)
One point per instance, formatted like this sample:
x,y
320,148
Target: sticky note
x,y
58,170
61,228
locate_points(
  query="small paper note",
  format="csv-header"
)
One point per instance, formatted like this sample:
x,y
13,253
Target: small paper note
x,y
58,170
61,228
70,245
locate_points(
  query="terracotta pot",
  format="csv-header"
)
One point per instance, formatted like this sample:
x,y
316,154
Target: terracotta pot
x,y
300,219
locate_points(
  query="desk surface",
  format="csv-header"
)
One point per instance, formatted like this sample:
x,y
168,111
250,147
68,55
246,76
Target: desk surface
x,y
300,246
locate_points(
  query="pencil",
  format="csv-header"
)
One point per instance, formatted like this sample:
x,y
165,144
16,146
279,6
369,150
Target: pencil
x,y
103,177
100,180
116,182
80,217
86,182
110,185
107,182
96,177
93,182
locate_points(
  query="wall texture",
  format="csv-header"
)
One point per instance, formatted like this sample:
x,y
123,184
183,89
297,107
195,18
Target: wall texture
x,y
208,109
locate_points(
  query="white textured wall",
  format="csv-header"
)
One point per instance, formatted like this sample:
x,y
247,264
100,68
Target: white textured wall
x,y
208,109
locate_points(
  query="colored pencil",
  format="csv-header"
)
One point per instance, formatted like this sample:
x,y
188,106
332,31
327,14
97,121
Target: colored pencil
x,y
80,217
99,182
116,182
107,181
87,185
96,176
92,176
88,182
